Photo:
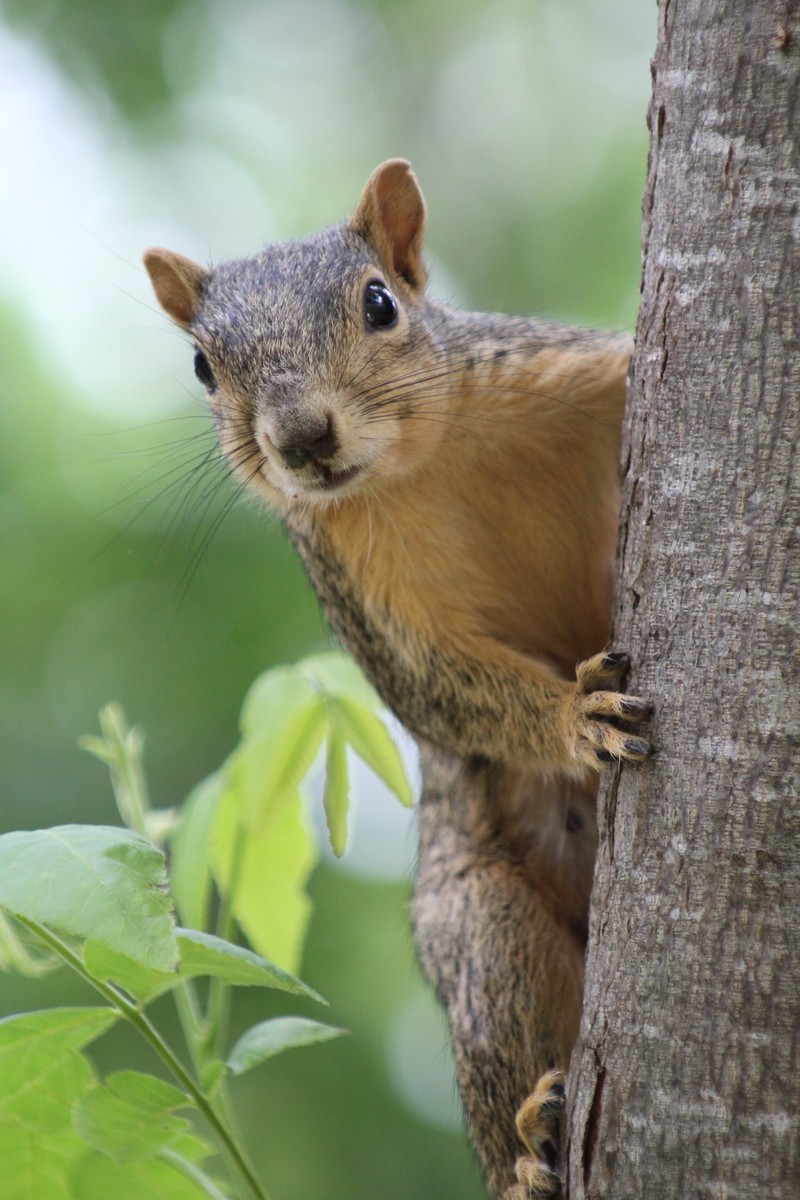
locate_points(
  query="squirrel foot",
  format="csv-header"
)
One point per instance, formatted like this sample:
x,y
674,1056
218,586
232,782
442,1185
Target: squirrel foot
x,y
537,1125
603,719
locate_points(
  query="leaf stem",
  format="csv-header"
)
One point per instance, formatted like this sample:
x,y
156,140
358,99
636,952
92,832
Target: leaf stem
x,y
148,1031
218,1009
192,1022
193,1172
127,768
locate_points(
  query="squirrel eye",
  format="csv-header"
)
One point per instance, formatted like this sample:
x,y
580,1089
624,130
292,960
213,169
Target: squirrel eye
x,y
203,371
380,306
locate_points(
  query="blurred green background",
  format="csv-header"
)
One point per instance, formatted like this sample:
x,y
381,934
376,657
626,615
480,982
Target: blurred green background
x,y
211,128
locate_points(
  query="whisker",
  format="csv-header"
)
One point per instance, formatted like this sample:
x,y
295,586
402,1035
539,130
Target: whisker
x,y
194,502
403,391
175,477
192,567
174,474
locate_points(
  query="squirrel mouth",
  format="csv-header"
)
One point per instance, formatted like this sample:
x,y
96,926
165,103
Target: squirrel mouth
x,y
330,479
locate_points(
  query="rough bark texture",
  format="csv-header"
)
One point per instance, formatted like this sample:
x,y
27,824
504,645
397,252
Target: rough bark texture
x,y
686,1079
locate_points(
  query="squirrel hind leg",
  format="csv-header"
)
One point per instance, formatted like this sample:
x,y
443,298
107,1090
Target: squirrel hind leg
x,y
538,1124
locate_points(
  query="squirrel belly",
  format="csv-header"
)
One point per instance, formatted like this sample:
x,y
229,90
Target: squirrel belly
x,y
450,481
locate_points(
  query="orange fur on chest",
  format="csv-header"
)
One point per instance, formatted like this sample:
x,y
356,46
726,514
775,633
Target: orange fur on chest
x,y
507,532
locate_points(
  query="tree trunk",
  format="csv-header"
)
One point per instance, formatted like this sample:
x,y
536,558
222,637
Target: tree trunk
x,y
686,1078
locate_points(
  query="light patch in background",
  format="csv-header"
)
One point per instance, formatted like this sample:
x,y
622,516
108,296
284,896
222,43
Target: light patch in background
x,y
420,1062
271,101
66,200
308,35
564,146
59,172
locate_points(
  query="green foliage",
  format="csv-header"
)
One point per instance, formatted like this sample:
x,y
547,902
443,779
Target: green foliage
x,y
43,1074
268,1038
212,128
205,954
15,956
93,882
132,1117
262,876
97,899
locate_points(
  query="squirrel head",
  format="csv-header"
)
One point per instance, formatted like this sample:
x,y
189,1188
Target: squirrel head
x,y
314,352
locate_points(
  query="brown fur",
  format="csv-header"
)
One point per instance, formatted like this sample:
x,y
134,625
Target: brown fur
x,y
450,481
500,913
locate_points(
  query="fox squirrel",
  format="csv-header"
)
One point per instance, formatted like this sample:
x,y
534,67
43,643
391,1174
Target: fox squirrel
x,y
451,482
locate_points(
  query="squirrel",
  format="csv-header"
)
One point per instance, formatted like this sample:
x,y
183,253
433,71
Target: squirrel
x,y
451,482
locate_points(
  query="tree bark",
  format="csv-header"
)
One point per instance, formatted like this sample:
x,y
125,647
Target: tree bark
x,y
686,1078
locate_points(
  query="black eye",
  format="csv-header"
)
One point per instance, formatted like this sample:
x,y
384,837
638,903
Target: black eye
x,y
380,306
203,371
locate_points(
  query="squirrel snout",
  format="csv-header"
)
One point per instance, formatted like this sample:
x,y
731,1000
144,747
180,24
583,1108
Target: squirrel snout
x,y
310,442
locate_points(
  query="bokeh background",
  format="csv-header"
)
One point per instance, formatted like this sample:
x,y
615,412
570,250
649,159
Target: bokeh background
x,y
212,127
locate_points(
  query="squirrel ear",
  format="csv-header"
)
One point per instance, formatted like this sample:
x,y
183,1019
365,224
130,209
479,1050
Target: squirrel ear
x,y
177,282
391,216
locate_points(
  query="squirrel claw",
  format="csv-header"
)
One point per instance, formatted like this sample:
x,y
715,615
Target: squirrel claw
x,y
602,671
537,1125
603,718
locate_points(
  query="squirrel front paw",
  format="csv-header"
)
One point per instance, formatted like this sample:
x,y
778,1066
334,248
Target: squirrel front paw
x,y
603,721
537,1125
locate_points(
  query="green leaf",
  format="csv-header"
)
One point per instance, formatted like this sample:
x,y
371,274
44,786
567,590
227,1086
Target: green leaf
x,y
206,954
273,694
38,1166
269,765
133,1117
142,983
200,954
189,872
271,1037
269,900
96,1177
146,1093
33,1046
92,881
121,748
337,674
371,740
336,795
42,1074
16,955
98,748
42,1104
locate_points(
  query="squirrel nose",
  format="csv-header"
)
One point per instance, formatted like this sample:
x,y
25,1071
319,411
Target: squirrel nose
x,y
309,444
